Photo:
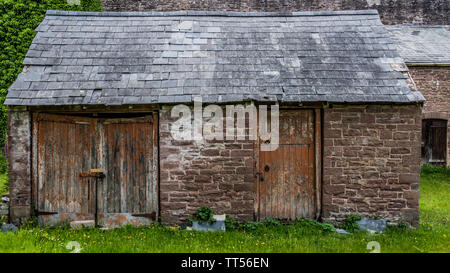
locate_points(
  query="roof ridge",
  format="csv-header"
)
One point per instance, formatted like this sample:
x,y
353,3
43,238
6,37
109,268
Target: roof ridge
x,y
212,13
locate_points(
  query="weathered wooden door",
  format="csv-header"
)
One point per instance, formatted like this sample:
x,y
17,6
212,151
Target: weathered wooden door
x,y
287,184
128,193
69,148
65,147
434,139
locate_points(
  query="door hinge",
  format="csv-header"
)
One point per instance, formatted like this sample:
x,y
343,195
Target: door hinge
x,y
44,212
151,216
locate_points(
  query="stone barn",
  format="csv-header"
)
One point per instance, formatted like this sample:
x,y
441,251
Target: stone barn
x,y
426,51
91,118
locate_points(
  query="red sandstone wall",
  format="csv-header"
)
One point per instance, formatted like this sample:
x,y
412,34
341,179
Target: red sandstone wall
x,y
371,165
217,174
371,162
19,152
434,83
391,12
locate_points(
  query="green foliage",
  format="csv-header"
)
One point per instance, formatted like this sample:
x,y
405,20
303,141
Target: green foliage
x,y
250,225
4,185
204,214
401,226
428,169
18,20
2,221
432,235
301,225
230,223
435,195
312,224
3,163
271,222
350,223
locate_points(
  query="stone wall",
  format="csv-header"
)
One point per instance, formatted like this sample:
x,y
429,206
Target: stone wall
x,y
434,83
391,12
371,162
218,174
19,137
371,165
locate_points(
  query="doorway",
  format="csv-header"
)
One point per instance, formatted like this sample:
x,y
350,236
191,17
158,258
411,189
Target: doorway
x,y
289,182
90,168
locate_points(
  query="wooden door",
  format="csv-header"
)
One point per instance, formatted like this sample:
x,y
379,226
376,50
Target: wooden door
x,y
66,147
128,193
434,139
288,185
70,153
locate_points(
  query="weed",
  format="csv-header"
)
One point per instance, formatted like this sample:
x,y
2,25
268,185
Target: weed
x,y
271,222
203,214
350,223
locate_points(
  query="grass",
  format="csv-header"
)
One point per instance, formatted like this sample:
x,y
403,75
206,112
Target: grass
x,y
432,235
3,175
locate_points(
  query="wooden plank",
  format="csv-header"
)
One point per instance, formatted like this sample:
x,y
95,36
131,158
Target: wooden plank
x,y
257,175
318,161
153,169
34,163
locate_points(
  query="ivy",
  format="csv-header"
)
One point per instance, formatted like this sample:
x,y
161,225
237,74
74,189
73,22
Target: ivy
x,y
18,20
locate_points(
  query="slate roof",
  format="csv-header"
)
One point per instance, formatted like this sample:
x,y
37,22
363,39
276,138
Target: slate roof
x,y
170,57
422,44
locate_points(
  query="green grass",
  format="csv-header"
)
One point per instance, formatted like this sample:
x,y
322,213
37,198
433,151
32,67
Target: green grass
x,y
3,183
435,196
432,235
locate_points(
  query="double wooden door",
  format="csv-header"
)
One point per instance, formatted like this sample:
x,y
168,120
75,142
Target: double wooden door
x,y
101,169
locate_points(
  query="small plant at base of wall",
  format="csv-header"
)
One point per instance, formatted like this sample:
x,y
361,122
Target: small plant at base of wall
x,y
272,223
203,214
350,223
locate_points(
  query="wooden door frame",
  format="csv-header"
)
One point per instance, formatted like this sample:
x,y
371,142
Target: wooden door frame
x,y
67,113
317,162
